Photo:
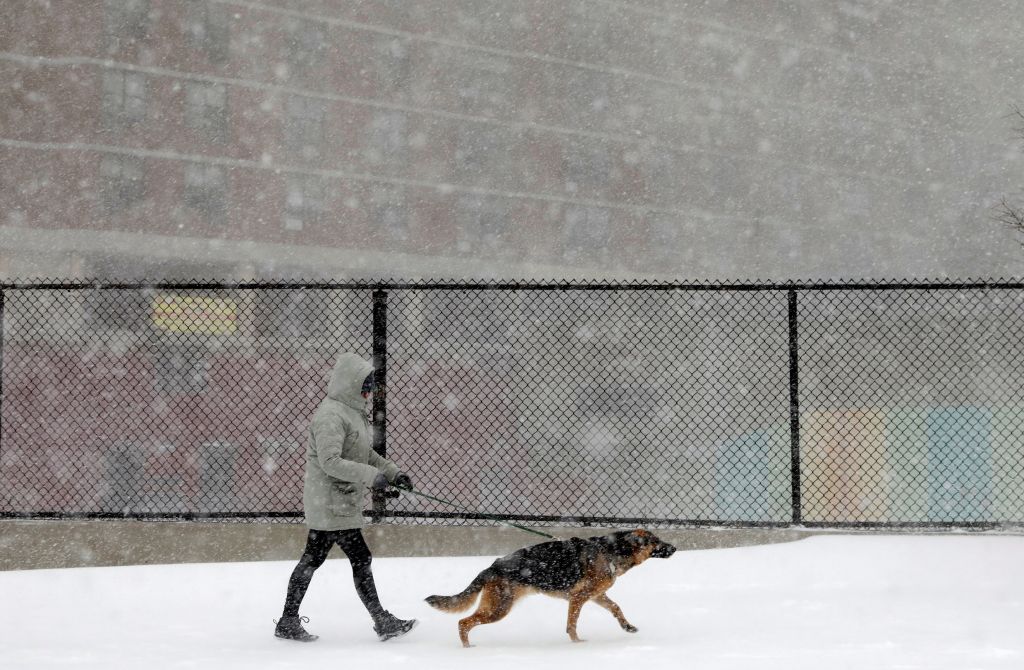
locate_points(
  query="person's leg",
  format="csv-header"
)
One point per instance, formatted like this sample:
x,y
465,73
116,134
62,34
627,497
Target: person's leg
x,y
354,546
386,624
318,545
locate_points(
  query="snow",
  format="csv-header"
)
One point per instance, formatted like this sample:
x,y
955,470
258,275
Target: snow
x,y
834,601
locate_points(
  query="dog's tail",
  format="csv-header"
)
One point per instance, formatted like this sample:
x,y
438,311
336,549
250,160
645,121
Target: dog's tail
x,y
461,601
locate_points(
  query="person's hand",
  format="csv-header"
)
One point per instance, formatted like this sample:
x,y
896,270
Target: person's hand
x,y
380,482
403,481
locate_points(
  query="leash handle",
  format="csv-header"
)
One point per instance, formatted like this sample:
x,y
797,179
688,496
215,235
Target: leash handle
x,y
491,517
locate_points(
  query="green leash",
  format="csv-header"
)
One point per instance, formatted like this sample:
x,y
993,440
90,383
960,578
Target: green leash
x,y
460,507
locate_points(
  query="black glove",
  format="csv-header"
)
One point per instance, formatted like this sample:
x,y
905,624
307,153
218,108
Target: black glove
x,y
403,481
380,482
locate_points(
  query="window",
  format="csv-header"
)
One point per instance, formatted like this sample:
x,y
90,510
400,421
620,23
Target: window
x,y
660,173
588,36
180,367
125,22
587,232
479,153
124,97
206,191
465,316
387,138
122,183
207,28
588,98
484,84
389,213
206,108
392,65
297,313
304,128
116,309
482,222
586,167
306,44
304,202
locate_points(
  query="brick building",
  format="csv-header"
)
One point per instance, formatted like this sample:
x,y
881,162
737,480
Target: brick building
x,y
231,138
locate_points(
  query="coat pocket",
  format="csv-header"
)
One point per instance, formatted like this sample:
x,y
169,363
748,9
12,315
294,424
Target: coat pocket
x,y
344,498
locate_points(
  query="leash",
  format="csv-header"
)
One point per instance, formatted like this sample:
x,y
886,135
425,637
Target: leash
x,y
418,494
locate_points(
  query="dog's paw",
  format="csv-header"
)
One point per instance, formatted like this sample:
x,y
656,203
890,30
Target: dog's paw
x,y
630,628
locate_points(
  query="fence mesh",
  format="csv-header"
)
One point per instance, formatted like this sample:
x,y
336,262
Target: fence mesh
x,y
569,403
615,404
911,407
166,401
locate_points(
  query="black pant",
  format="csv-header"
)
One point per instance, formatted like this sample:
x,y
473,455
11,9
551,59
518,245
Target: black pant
x,y
318,545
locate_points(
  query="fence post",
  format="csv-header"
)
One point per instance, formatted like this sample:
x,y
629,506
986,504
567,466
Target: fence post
x,y
3,295
380,366
794,407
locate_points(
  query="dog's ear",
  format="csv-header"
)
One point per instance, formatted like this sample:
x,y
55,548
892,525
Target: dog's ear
x,y
628,542
642,537
619,544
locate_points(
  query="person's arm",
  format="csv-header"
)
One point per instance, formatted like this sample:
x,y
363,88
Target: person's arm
x,y
330,435
386,467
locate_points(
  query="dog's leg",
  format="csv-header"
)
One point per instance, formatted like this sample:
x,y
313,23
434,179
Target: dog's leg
x,y
576,601
604,601
496,601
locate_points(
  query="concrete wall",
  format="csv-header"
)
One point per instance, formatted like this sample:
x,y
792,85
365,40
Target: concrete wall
x,y
37,544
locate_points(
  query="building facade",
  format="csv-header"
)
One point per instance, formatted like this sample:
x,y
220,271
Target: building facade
x,y
231,138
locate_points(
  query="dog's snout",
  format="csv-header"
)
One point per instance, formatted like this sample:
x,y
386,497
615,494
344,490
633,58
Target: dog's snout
x,y
664,550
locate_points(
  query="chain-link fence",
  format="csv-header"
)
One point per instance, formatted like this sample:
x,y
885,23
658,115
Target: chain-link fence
x,y
911,405
748,404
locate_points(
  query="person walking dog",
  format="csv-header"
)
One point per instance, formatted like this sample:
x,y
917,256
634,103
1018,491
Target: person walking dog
x,y
340,465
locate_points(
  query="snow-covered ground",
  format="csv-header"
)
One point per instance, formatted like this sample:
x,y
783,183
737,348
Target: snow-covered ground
x,y
828,602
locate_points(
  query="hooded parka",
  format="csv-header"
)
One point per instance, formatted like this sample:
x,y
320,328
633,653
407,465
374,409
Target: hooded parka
x,y
340,461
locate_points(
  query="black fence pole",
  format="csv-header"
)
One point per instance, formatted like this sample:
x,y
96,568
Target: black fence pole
x,y
380,414
3,295
794,407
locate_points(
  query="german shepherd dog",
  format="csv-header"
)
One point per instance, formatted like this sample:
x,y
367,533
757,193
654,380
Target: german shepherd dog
x,y
576,569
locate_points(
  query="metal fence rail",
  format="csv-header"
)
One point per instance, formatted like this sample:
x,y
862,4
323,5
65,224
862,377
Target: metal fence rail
x,y
766,404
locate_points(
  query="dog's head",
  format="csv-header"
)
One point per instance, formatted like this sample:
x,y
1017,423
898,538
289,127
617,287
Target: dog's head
x,y
640,542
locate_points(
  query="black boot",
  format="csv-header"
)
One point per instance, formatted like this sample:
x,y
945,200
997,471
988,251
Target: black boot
x,y
388,626
290,628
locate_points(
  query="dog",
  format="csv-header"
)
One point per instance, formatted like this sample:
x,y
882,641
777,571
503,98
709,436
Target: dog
x,y
578,569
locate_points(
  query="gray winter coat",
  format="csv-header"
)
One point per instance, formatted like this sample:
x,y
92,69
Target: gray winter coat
x,y
340,461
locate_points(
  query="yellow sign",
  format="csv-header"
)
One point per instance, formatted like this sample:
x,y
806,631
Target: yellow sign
x,y
195,314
